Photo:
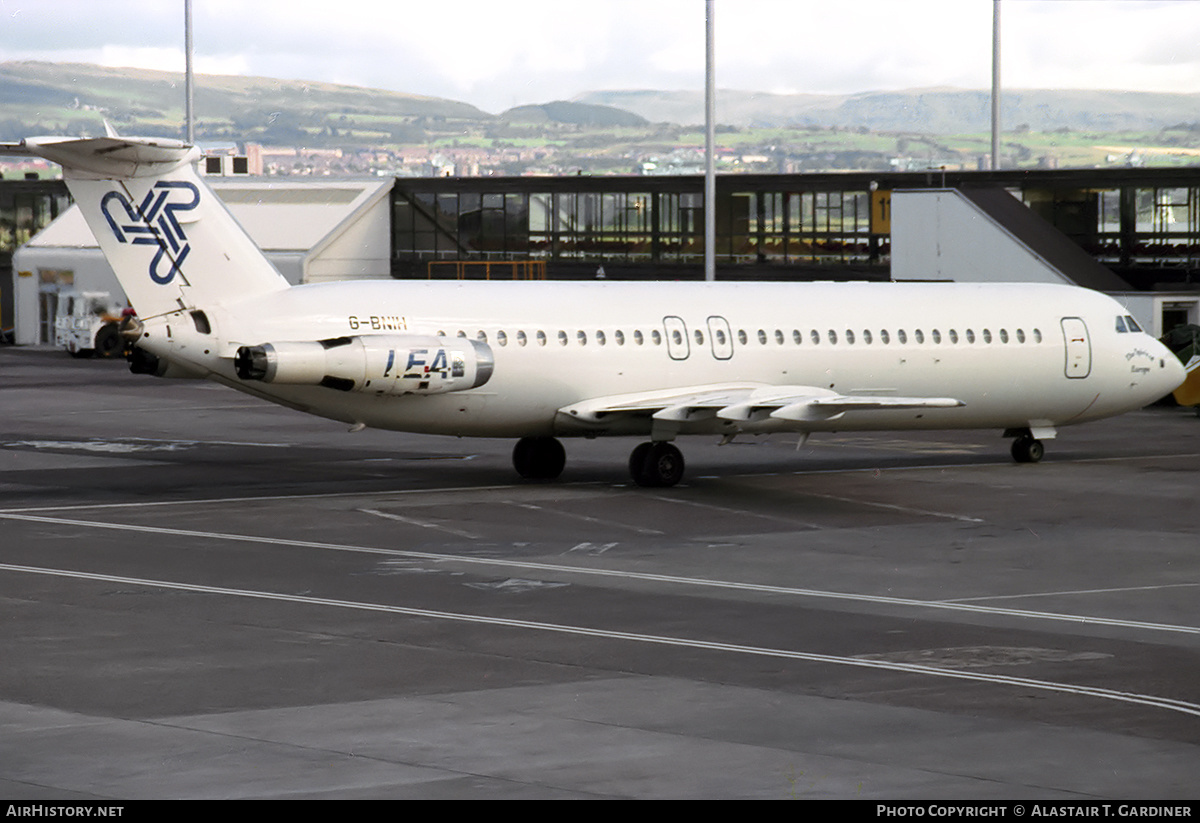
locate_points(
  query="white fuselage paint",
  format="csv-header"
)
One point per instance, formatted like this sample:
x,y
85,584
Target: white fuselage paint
x,y
1071,366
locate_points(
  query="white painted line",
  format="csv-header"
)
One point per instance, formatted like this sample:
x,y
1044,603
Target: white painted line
x,y
893,507
1168,704
572,484
791,521
168,410
265,498
425,524
585,518
1073,592
944,605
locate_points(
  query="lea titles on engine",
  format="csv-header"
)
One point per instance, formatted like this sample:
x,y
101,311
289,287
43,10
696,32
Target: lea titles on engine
x,y
379,364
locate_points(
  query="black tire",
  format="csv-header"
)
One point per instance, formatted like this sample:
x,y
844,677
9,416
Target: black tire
x,y
1027,450
637,462
661,465
539,458
108,341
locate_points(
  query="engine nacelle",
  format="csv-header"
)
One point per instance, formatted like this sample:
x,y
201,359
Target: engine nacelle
x,y
378,364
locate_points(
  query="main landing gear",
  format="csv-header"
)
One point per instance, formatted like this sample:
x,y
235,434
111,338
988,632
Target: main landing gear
x,y
539,458
654,465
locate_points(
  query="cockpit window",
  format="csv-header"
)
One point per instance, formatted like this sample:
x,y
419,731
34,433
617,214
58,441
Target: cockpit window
x,y
1132,324
1121,325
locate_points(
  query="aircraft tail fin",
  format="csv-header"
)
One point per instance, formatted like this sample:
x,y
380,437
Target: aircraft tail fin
x,y
171,242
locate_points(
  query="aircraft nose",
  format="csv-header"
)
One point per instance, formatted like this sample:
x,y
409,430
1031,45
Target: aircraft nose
x,y
1171,372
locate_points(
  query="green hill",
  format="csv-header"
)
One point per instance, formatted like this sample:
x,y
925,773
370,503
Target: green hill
x,y
578,114
922,111
69,98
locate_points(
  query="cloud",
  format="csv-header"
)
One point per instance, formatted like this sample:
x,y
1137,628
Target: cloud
x,y
499,54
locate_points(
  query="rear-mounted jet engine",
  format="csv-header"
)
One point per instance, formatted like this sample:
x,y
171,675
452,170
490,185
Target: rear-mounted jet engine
x,y
378,364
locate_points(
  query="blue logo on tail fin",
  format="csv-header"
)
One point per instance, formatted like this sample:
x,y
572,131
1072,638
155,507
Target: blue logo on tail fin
x,y
154,223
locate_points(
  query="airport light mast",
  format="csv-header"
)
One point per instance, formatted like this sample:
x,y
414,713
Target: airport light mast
x,y
995,84
189,104
710,167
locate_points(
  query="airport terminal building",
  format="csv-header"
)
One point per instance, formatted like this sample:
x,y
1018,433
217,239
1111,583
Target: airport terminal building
x,y
1133,231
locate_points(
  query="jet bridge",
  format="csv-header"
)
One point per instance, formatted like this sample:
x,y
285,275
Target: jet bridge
x,y
986,234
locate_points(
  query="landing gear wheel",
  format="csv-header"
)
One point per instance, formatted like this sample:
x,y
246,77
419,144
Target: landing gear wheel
x,y
637,460
539,458
108,341
656,465
1027,449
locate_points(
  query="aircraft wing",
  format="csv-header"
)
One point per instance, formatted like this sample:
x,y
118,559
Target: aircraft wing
x,y
743,403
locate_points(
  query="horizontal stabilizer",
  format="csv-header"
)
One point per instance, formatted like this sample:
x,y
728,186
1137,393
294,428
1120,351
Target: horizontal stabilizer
x,y
111,157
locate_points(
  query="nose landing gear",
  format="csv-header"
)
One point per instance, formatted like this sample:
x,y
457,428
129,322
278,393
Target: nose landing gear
x,y
1027,449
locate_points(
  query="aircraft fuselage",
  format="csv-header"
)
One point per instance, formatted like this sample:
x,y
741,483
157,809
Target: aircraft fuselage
x,y
1015,355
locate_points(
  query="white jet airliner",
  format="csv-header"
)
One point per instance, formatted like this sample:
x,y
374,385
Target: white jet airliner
x,y
536,361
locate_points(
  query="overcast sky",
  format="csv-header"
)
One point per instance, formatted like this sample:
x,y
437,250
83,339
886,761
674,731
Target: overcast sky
x,y
499,54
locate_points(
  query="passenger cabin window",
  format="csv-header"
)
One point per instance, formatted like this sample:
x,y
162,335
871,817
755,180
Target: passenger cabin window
x,y
502,338
1020,335
581,336
481,336
867,336
797,337
656,337
883,337
521,338
762,337
779,336
953,336
936,336
562,338
638,338
919,336
1037,335
970,336
816,336
541,338
619,336
987,336
902,336
849,337
600,338
1004,335
832,336
699,335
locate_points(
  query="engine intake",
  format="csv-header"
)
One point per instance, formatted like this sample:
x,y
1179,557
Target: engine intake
x,y
379,364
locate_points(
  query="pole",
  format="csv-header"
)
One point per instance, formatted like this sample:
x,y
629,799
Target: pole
x,y
995,84
189,107
710,140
